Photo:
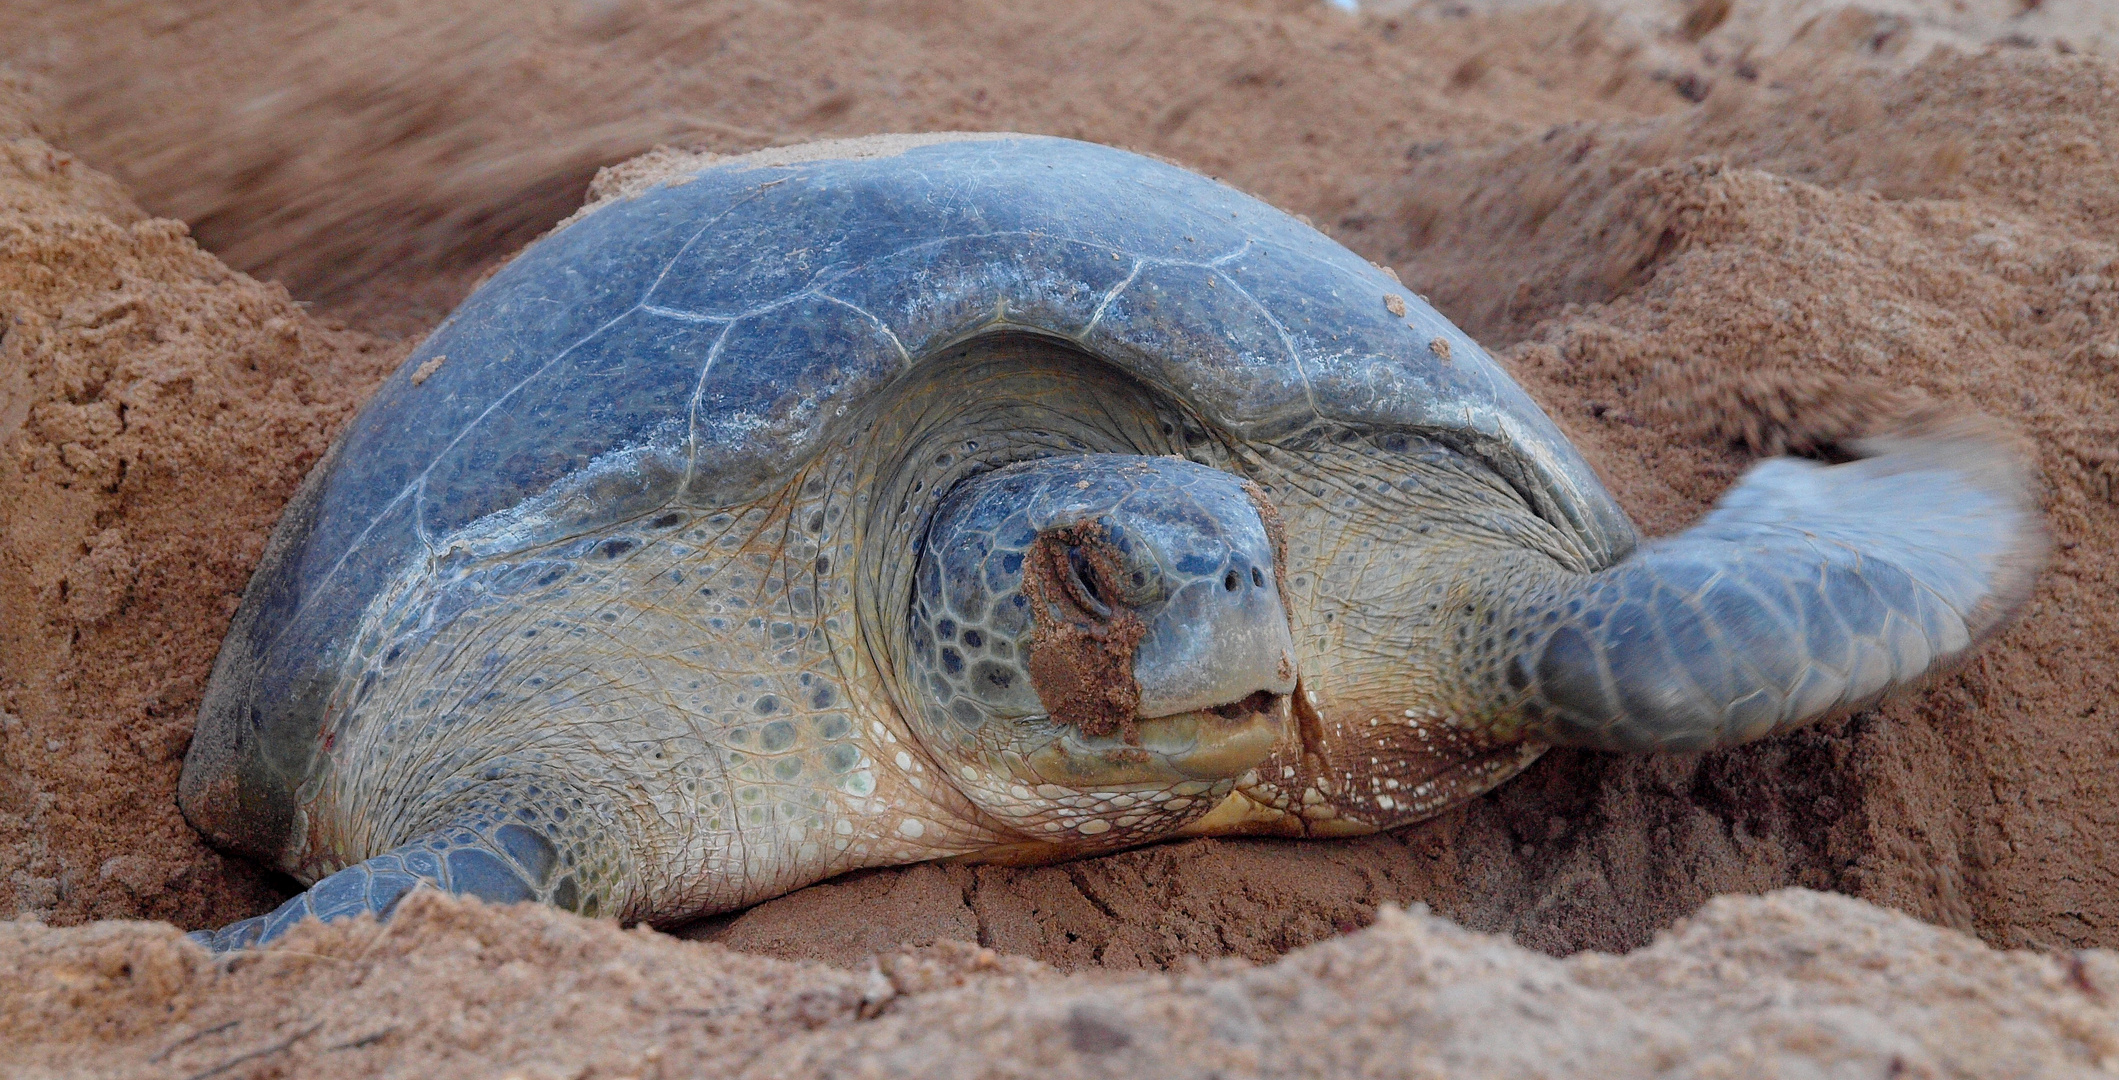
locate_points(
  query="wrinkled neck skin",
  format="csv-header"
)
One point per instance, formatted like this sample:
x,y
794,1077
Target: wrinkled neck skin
x,y
1405,561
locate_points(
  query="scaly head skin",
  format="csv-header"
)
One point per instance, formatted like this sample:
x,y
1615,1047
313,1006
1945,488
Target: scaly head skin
x,y
1098,646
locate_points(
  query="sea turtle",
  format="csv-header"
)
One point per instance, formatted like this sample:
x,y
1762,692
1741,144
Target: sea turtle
x,y
1000,497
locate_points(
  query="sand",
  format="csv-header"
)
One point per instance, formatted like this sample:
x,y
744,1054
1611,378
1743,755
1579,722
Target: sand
x,y
1794,984
1693,252
159,410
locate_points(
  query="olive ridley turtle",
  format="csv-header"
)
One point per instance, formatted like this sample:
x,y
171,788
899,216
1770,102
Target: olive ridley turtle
x,y
1005,498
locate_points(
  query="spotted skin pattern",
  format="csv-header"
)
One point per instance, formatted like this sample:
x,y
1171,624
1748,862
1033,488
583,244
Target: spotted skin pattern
x,y
1191,556
619,609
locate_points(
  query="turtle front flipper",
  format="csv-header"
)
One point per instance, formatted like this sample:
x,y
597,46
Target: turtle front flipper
x,y
493,857
1808,590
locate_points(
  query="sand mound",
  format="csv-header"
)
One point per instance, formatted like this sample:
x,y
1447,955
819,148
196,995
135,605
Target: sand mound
x,y
1795,983
159,408
1768,272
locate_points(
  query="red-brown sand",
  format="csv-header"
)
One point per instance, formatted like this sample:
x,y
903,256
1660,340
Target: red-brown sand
x,y
1793,984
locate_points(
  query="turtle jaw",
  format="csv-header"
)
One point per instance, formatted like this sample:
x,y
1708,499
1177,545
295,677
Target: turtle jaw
x,y
1215,744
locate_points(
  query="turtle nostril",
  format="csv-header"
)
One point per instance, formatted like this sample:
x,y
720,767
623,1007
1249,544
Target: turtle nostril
x,y
1230,581
1258,577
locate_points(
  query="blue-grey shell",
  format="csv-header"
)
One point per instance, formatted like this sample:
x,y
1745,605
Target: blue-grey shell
x,y
713,333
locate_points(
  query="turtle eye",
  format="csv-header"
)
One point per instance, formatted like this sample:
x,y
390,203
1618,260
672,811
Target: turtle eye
x,y
1088,587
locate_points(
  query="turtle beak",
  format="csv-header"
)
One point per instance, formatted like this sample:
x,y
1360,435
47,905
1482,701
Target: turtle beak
x,y
1215,671
1217,743
1218,641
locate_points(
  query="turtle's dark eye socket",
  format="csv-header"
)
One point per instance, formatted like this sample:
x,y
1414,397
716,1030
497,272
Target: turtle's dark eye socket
x,y
1087,586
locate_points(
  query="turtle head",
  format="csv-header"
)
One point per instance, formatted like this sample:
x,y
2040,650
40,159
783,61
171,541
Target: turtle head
x,y
1098,647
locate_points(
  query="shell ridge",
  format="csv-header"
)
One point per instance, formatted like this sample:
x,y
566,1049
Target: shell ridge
x,y
684,316
1287,341
419,516
1242,249
418,483
888,333
846,271
820,283
677,256
1098,315
691,427
645,303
